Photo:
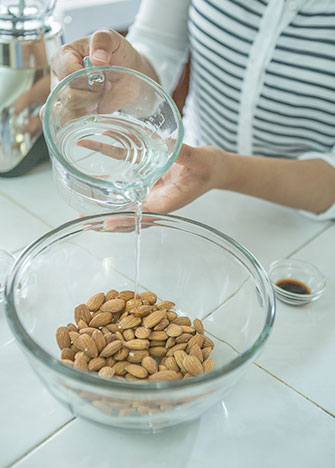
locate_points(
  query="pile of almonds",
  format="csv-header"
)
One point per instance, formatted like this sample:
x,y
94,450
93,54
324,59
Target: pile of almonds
x,y
119,336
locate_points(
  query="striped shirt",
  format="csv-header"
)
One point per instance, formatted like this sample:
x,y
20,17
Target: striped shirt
x,y
262,72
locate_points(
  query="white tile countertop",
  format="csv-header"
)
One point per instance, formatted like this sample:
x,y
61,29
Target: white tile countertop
x,y
282,413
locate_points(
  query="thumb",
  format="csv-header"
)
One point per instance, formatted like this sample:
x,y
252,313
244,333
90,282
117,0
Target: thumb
x,y
102,45
190,157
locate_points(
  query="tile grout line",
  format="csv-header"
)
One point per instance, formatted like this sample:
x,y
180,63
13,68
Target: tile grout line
x,y
295,390
41,442
315,236
277,378
27,210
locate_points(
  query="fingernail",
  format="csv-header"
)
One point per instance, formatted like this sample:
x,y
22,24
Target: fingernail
x,y
100,56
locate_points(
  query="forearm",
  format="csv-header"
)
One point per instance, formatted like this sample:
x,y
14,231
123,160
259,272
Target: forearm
x,y
307,185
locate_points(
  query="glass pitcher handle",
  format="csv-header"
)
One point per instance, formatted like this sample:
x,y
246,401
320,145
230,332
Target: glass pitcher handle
x,y
94,77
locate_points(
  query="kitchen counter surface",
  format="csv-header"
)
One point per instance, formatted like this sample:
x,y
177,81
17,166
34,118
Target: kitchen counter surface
x,y
282,413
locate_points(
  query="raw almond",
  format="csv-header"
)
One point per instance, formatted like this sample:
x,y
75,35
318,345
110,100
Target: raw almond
x,y
63,337
192,365
208,342
112,327
133,304
101,319
82,312
179,356
196,339
67,353
208,365
82,324
165,305
141,311
107,372
129,334
170,342
113,306
162,324
157,351
197,323
136,356
95,302
187,329
121,355
150,364
72,327
182,321
157,343
174,330
126,295
137,344
96,364
111,294
184,338
111,348
87,331
206,352
196,351
155,317
148,296
175,348
80,364
137,371
163,375
87,345
120,367
99,340
109,337
81,355
142,332
171,315
130,322
158,336
171,364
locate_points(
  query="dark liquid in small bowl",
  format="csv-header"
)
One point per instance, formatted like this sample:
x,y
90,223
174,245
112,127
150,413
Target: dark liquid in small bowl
x,y
293,286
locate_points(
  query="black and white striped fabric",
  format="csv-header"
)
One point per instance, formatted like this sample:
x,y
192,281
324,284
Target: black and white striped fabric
x,y
262,75
294,109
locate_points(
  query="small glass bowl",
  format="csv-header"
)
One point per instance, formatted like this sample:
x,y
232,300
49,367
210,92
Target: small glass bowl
x,y
301,271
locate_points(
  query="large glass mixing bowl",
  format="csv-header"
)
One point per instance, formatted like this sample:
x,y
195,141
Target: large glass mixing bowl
x,y
206,273
111,133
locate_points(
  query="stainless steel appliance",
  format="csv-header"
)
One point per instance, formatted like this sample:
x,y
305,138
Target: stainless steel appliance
x,y
28,37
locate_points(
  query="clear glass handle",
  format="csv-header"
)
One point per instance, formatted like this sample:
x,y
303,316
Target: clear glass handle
x,y
95,77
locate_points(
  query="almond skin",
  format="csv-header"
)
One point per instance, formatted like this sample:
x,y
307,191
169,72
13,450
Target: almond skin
x,y
198,325
192,365
208,365
95,302
87,344
137,371
126,295
155,317
82,312
113,306
142,332
137,344
101,319
96,364
68,354
165,305
107,372
149,297
111,348
129,322
111,294
150,364
196,351
136,355
99,340
63,337
157,351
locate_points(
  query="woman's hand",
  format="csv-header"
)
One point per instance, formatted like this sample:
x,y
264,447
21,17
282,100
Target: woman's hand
x,y
104,47
193,174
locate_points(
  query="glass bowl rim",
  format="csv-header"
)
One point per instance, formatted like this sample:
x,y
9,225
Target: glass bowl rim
x,y
82,176
298,264
87,378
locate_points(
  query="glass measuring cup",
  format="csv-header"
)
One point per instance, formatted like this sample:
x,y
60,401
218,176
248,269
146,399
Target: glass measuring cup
x,y
111,133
